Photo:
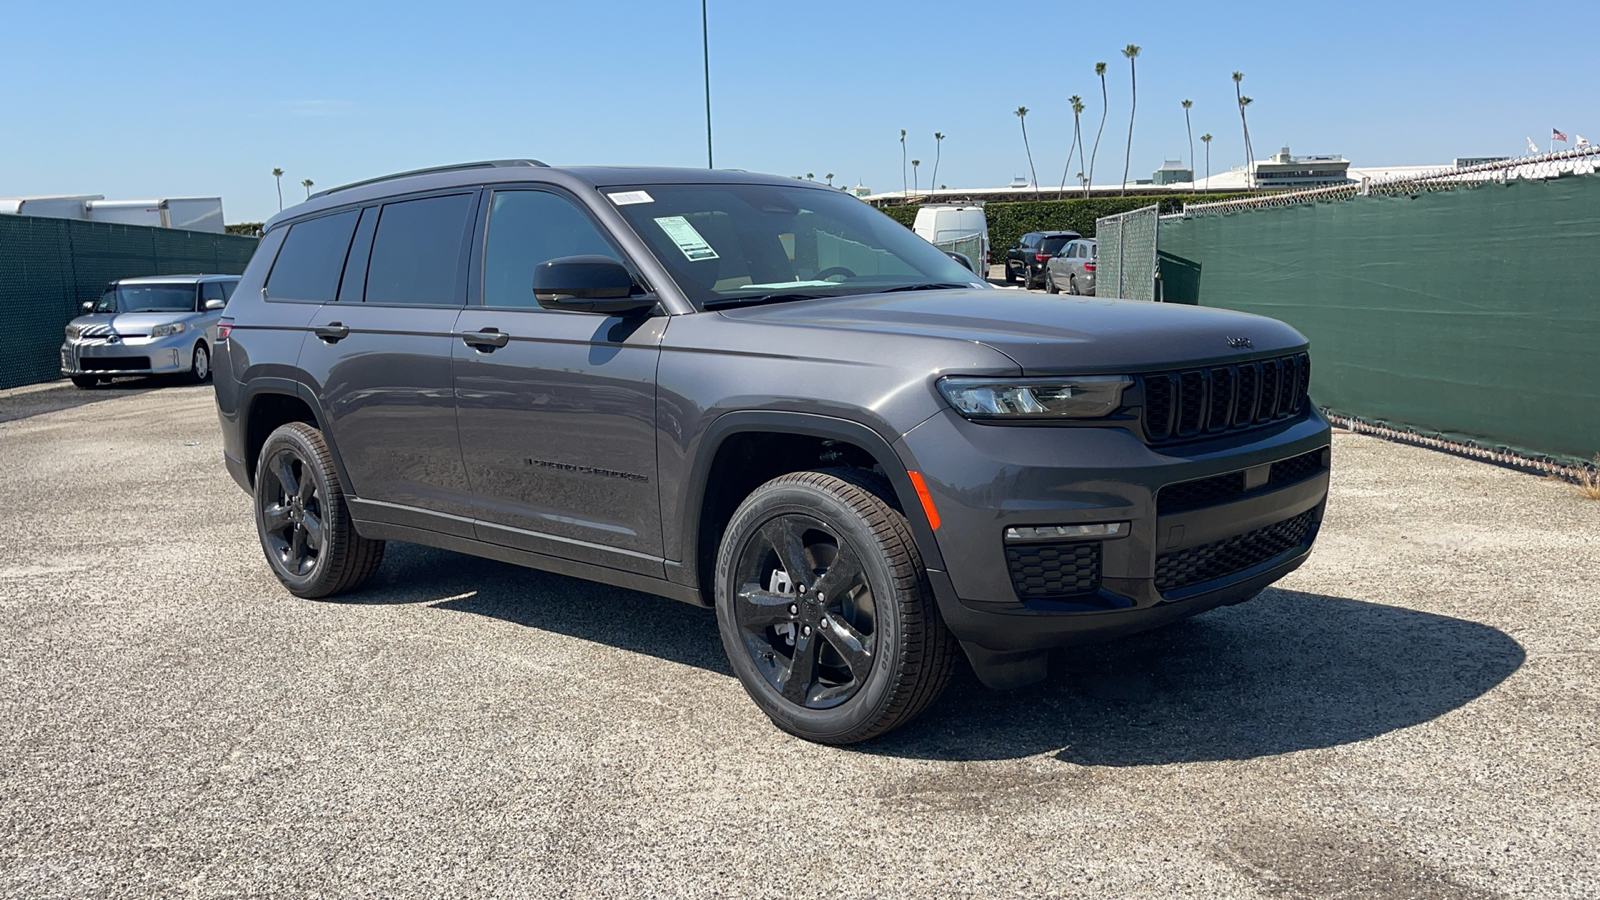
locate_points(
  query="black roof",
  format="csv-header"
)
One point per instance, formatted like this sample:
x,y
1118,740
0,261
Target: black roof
x,y
517,170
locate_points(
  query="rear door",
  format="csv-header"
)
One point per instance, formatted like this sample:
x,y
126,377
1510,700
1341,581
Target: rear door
x,y
380,355
557,408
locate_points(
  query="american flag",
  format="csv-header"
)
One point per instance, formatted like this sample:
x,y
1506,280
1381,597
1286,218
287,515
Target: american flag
x,y
1556,135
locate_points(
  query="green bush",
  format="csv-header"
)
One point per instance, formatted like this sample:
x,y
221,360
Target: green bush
x,y
1008,222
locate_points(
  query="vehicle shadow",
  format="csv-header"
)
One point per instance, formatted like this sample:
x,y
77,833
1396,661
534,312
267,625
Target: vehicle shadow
x,y
15,405
1287,671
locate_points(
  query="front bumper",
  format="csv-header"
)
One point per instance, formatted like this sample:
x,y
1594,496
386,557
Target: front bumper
x,y
1174,559
166,355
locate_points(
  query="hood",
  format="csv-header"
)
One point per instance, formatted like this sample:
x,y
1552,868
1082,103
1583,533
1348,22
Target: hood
x,y
130,323
1048,334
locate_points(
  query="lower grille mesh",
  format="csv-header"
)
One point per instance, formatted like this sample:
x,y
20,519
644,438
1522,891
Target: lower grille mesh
x,y
1066,569
1220,559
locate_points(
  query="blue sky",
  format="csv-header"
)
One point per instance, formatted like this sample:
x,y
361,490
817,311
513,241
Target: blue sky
x,y
175,99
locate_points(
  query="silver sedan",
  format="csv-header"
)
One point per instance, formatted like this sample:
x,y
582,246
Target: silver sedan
x,y
147,326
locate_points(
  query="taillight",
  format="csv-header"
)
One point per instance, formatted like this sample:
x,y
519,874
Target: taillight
x,y
1088,267
224,328
1040,257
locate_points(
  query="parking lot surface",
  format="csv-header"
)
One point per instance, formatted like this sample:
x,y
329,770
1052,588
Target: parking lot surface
x,y
1411,714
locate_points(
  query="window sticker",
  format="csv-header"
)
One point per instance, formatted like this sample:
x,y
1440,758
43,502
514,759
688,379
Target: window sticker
x,y
687,238
628,198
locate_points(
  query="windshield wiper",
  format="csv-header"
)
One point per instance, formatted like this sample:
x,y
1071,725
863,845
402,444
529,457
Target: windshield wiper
x,y
758,299
935,286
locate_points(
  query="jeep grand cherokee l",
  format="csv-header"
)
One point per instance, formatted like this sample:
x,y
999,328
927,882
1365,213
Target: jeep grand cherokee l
x,y
765,397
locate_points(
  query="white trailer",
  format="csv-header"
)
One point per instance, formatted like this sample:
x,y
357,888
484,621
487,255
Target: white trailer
x,y
187,213
63,206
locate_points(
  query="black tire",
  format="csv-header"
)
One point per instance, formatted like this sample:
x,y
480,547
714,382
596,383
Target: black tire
x,y
1029,277
1050,283
86,381
200,363
1072,285
881,630
1011,276
302,519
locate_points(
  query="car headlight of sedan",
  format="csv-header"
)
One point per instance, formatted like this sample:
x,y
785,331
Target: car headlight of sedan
x,y
164,330
1086,397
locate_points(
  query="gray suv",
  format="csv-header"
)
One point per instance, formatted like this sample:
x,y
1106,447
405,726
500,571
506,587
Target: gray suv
x,y
762,396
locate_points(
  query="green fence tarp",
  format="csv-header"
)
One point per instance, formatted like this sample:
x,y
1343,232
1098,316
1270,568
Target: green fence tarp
x,y
50,267
1473,313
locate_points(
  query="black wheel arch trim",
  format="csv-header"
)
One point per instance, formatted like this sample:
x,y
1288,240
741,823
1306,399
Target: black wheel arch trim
x,y
289,387
799,423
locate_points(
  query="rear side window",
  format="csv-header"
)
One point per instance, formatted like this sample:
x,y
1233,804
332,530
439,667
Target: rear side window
x,y
526,229
416,253
1052,244
211,290
308,266
227,289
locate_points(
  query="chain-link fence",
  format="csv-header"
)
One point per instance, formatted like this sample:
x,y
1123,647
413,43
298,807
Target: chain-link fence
x,y
1126,267
970,246
50,267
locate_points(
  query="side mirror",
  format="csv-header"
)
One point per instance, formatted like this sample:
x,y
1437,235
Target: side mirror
x,y
88,306
215,304
961,258
592,284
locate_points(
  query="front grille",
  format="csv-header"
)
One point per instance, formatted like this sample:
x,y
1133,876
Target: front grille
x,y
1228,487
1220,559
114,363
1066,569
1180,406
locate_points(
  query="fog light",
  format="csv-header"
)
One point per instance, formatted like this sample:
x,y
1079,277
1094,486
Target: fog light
x,y
1066,532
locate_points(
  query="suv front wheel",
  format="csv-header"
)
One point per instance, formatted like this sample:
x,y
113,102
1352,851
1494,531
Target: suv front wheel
x,y
824,608
302,519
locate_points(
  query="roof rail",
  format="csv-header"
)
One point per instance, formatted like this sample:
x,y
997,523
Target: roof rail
x,y
485,164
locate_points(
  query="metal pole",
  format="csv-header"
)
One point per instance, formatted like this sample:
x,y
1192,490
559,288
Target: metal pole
x,y
705,45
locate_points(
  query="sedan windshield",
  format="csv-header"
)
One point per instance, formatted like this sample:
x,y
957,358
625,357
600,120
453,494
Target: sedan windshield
x,y
148,298
730,244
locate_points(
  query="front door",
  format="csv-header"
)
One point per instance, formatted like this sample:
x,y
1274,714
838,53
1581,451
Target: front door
x,y
558,421
381,356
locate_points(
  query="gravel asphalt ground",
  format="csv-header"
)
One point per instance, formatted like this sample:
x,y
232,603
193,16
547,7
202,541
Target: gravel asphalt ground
x,y
1411,714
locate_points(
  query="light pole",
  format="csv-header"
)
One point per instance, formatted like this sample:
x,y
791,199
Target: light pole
x,y
705,47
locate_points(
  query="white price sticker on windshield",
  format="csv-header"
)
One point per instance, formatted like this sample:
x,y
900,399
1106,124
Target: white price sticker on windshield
x,y
687,238
628,198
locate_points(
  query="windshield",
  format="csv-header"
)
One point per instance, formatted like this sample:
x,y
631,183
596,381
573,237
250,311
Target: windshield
x,y
728,243
147,298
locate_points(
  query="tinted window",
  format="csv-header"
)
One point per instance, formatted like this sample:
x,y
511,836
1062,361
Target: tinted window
x,y
527,228
1052,244
416,254
227,289
308,266
211,290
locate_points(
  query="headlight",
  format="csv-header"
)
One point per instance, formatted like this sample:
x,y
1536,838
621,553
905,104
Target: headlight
x,y
72,332
164,330
1088,397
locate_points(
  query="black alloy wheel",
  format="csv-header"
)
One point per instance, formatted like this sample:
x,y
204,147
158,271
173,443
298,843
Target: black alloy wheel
x,y
302,519
825,610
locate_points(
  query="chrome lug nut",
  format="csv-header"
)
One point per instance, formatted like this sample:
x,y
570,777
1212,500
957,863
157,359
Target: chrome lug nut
x,y
806,631
793,609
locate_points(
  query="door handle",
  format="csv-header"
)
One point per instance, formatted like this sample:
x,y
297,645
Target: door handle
x,y
486,340
333,332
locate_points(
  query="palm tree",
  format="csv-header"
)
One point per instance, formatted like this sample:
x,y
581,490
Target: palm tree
x,y
938,151
1250,149
278,174
1077,111
829,176
1190,128
1206,139
1132,53
1249,157
1077,108
811,176
1022,115
915,184
902,162
1105,107
307,185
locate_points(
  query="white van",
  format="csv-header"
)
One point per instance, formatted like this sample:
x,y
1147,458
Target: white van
x,y
944,224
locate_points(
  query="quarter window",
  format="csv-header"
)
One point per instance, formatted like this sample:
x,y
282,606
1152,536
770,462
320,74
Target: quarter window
x,y
307,268
416,253
526,229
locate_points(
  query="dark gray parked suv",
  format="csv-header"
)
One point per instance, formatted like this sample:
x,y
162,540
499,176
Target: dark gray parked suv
x,y
763,396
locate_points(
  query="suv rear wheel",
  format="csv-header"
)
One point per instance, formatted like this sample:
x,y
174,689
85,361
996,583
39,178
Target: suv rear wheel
x,y
302,520
825,611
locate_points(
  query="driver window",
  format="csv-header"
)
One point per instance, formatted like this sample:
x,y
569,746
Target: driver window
x,y
526,229
211,290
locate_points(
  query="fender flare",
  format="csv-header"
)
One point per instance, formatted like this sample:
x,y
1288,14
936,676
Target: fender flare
x,y
289,387
811,425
